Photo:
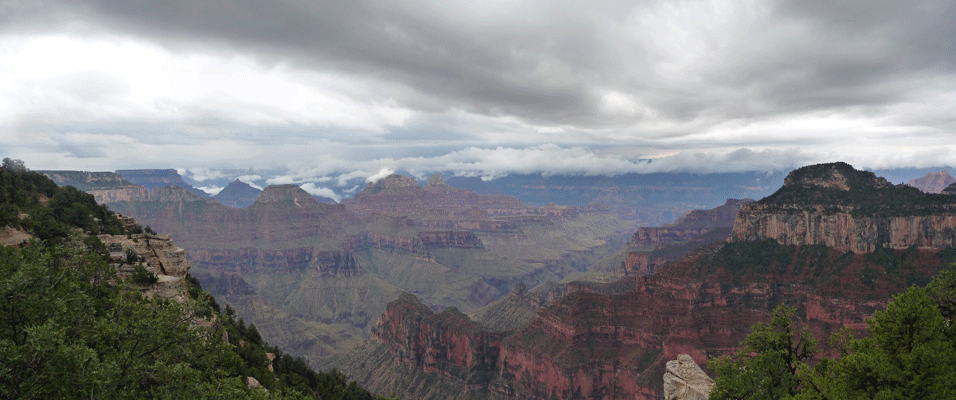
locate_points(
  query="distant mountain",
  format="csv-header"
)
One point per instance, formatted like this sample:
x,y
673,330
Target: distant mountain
x,y
325,200
933,182
237,194
157,178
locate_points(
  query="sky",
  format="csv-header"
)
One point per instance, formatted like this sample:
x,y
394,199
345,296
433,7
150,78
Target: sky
x,y
326,93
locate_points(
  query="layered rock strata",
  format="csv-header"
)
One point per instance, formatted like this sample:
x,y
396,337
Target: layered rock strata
x,y
849,210
842,229
160,256
612,341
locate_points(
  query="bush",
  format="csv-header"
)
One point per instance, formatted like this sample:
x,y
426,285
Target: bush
x,y
142,276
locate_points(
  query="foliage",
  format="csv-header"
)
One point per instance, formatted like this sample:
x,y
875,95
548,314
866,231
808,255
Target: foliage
x,y
909,353
51,212
867,194
70,328
142,276
767,365
756,256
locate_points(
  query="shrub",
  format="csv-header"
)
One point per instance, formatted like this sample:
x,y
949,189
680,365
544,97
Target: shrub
x,y
142,276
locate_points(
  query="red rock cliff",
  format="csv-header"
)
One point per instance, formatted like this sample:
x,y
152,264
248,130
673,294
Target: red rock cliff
x,y
611,341
448,342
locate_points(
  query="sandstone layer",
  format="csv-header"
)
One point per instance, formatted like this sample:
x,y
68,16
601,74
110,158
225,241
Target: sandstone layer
x,y
849,210
842,229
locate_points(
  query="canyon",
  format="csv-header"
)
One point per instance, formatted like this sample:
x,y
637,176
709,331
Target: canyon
x,y
440,292
613,340
313,277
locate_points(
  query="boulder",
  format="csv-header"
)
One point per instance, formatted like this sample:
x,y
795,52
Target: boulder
x,y
684,380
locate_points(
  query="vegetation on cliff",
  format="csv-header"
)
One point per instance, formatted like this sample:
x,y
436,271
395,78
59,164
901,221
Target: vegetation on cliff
x,y
31,201
71,327
837,186
909,353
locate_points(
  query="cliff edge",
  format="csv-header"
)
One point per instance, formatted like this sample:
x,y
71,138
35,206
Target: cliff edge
x,y
850,210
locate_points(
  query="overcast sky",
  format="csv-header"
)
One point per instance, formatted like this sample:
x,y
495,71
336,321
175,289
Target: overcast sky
x,y
317,93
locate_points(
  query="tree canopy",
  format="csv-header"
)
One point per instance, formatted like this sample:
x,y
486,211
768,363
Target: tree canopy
x,y
909,352
71,327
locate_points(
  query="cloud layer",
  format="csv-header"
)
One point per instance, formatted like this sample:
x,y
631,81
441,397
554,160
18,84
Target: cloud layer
x,y
323,92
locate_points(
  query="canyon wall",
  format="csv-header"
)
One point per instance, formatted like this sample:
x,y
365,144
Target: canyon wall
x,y
849,210
842,228
591,345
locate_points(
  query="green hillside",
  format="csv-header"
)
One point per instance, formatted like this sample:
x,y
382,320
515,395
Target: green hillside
x,y
71,327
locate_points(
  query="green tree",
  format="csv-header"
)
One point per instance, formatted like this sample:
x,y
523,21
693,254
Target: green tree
x,y
769,363
910,352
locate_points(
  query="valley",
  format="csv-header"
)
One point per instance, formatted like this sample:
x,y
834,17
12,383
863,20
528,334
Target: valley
x,y
432,291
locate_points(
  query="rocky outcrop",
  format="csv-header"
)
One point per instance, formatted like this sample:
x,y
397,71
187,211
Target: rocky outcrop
x,y
173,194
436,181
286,194
849,210
651,247
654,236
335,264
322,262
158,178
692,224
684,380
86,180
405,244
950,190
10,236
160,256
398,195
392,184
641,263
447,343
131,193
106,187
723,215
933,182
843,229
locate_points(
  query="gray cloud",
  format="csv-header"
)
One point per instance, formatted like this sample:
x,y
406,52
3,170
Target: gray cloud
x,y
551,63
442,81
